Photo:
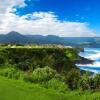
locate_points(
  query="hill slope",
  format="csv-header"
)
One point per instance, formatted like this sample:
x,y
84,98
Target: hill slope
x,y
18,90
17,38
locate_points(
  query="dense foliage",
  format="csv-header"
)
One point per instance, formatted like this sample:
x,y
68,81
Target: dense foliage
x,y
44,66
30,58
52,68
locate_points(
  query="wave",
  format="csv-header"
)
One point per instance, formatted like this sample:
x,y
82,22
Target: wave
x,y
95,64
92,50
91,70
92,54
95,67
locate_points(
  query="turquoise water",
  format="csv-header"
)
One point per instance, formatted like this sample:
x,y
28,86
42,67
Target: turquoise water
x,y
93,54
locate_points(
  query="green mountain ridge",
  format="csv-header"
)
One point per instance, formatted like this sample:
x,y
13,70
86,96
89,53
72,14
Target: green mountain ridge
x,y
17,38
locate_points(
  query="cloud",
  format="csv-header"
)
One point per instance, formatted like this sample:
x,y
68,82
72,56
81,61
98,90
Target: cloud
x,y
9,4
42,23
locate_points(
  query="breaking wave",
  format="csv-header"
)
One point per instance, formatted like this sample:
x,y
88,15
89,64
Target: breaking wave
x,y
93,54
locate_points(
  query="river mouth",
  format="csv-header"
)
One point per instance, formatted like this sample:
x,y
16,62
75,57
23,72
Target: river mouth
x,y
91,54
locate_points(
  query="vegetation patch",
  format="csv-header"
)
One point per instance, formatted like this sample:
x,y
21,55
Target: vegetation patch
x,y
51,69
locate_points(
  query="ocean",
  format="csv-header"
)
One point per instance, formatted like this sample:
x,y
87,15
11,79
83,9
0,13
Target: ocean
x,y
93,54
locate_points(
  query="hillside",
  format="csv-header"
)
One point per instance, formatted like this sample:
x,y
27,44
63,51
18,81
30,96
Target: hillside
x,y
31,58
44,73
17,38
18,90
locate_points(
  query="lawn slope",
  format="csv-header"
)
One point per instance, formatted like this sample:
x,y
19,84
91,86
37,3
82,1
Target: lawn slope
x,y
17,90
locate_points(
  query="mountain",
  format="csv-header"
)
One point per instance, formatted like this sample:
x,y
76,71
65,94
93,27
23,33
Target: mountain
x,y
17,38
13,37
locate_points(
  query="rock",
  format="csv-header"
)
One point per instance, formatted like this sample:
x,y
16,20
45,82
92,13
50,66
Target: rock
x,y
83,60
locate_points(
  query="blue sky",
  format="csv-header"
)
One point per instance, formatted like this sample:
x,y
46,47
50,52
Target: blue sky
x,y
70,10
51,17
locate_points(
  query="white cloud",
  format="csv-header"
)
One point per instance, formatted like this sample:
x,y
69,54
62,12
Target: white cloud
x,y
43,23
8,4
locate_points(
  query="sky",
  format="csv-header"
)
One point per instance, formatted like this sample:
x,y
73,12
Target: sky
x,y
67,18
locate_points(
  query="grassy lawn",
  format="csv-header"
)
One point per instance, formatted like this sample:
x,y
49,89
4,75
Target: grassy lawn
x,y
18,90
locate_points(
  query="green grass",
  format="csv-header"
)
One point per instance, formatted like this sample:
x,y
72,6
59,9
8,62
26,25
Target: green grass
x,y
19,90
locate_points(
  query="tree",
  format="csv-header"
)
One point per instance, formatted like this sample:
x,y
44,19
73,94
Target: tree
x,y
72,79
43,74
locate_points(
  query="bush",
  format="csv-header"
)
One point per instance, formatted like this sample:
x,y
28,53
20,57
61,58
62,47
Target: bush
x,y
59,77
11,73
90,83
28,78
57,85
84,84
40,75
24,66
72,79
72,54
43,74
97,81
18,75
8,72
2,60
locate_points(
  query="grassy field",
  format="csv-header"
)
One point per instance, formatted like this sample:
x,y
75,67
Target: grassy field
x,y
18,90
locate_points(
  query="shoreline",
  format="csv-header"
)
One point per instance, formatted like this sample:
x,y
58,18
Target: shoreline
x,y
84,61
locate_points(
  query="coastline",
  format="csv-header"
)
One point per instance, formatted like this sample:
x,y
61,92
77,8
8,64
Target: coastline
x,y
83,60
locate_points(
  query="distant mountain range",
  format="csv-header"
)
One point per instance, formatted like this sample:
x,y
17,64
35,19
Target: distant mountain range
x,y
17,38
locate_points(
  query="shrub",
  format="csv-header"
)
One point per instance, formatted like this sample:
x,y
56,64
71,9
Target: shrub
x,y
97,81
24,66
40,75
18,75
72,53
59,77
72,79
2,59
43,74
57,85
11,73
90,83
8,72
84,84
28,78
